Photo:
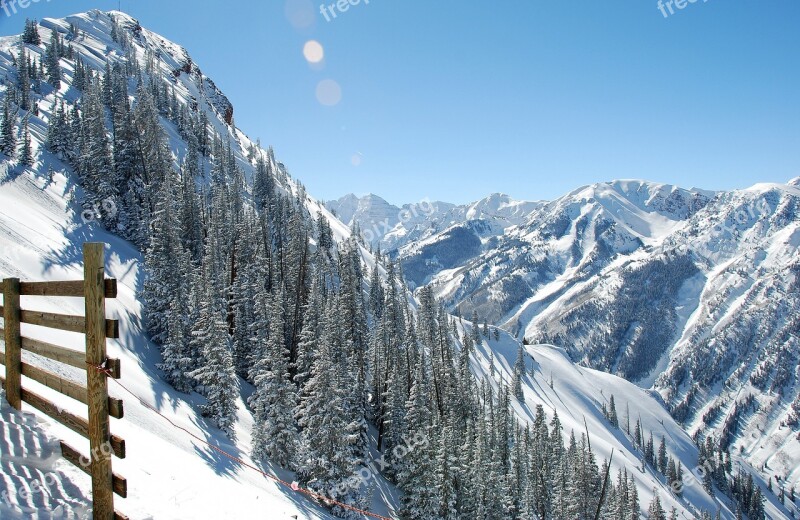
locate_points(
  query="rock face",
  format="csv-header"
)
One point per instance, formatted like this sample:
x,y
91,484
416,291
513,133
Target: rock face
x,y
217,99
178,60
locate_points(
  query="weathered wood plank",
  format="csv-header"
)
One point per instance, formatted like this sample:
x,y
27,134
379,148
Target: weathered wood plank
x,y
97,384
82,462
66,288
73,422
69,388
73,358
66,322
13,349
55,382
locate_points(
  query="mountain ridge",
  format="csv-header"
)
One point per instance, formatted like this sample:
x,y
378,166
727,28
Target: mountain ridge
x,y
48,251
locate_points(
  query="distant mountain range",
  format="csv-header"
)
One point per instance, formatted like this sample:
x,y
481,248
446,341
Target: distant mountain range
x,y
693,293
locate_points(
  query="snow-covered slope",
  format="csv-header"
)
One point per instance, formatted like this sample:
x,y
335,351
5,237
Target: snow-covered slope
x,y
579,394
171,475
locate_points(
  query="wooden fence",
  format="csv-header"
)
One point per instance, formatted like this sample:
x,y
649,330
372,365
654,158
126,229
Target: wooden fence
x,y
94,288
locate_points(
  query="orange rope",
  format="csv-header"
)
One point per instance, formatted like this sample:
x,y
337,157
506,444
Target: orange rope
x,y
293,487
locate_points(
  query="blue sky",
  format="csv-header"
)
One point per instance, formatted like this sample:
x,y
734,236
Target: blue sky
x,y
453,100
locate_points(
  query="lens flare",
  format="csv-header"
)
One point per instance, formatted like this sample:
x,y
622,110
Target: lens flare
x,y
300,13
313,51
329,93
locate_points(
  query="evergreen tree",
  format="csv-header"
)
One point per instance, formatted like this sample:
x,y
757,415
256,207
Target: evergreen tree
x,y
633,500
26,152
8,138
216,373
30,34
177,360
275,433
79,80
329,443
662,456
476,330
163,267
519,372
52,59
612,412
656,511
95,167
419,501
58,131
24,80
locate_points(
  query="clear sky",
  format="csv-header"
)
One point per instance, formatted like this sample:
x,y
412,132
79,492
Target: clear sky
x,y
453,100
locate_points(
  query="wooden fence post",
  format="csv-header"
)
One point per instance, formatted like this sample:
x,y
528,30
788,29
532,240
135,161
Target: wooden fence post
x,y
96,382
13,361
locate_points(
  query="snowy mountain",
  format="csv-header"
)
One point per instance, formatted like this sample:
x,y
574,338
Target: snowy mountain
x,y
246,316
367,211
690,292
382,224
573,236
431,236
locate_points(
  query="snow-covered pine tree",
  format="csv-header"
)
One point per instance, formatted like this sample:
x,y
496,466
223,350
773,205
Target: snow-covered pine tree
x,y
24,80
177,360
662,456
656,510
519,373
96,163
79,81
415,476
275,432
376,293
30,34
53,60
163,277
612,412
26,150
650,452
328,447
476,330
633,500
8,137
216,373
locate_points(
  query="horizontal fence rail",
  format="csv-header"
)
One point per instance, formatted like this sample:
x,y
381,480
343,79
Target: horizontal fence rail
x,y
64,322
67,288
93,362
